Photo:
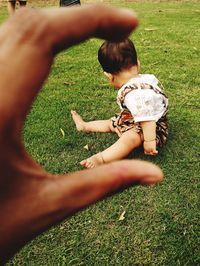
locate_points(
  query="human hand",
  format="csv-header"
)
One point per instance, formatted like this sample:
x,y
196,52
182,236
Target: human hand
x,y
150,147
31,199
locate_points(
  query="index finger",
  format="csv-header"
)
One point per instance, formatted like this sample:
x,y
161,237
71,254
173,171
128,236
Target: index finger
x,y
75,24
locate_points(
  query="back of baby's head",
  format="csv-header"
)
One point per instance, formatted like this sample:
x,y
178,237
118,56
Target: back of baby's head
x,y
117,56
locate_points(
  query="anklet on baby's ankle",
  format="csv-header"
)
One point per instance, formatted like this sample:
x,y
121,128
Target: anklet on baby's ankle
x,y
102,157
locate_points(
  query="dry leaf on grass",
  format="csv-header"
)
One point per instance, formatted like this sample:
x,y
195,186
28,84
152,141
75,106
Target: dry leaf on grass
x,y
62,132
86,147
150,29
122,216
68,83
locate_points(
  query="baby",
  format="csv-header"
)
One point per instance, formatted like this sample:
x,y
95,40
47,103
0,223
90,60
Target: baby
x,y
143,105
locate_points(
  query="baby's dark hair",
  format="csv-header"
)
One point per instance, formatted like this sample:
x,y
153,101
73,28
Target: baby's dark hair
x,y
117,56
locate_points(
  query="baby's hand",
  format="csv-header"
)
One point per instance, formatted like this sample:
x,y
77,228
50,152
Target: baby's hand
x,y
150,147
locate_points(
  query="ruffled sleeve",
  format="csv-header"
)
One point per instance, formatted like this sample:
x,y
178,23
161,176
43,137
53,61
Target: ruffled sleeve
x,y
145,104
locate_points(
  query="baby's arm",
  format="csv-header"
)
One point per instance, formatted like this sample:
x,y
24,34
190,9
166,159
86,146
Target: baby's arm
x,y
149,134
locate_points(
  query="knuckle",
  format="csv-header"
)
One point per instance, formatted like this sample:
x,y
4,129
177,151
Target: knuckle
x,y
97,8
28,25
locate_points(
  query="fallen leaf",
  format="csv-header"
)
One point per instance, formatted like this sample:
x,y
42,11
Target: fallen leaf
x,y
150,29
86,147
122,217
62,132
68,83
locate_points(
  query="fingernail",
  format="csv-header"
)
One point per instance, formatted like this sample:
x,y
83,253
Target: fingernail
x,y
130,13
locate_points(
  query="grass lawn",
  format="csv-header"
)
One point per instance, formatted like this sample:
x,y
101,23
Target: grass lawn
x,y
162,223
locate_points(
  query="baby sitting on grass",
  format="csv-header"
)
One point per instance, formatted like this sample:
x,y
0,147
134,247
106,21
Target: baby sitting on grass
x,y
143,105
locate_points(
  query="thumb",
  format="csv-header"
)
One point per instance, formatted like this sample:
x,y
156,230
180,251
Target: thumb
x,y
80,189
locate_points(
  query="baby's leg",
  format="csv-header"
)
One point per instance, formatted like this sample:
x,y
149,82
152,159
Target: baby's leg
x,y
119,150
92,126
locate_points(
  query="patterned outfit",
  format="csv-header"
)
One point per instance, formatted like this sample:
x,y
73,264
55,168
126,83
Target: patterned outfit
x,y
141,99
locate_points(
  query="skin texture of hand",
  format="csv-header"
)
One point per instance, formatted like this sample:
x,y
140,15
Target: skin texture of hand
x,y
31,200
149,136
150,147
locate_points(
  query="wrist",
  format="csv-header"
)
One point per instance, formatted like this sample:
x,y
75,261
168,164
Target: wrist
x,y
149,140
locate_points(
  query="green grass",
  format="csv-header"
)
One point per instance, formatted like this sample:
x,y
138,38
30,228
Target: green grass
x,y
161,225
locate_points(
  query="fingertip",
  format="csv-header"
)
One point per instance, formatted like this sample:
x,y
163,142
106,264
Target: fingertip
x,y
120,22
130,14
154,176
147,172
134,172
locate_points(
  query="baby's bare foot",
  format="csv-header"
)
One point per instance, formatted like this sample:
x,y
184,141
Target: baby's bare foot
x,y
93,161
77,120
